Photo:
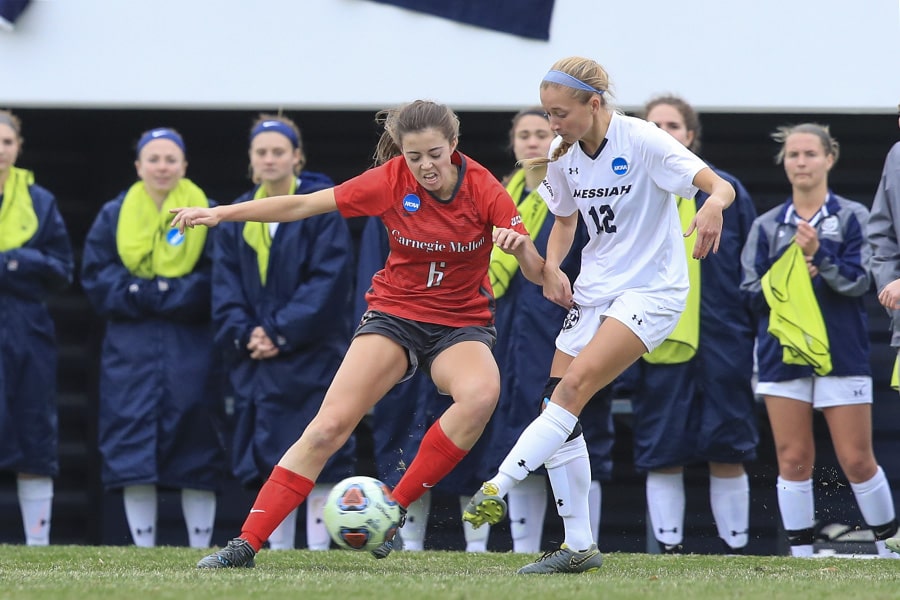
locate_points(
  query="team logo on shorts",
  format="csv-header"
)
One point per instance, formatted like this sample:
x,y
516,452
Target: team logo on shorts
x,y
411,203
174,237
619,165
572,318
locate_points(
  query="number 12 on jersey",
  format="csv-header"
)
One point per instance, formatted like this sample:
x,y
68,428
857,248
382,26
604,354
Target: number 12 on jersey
x,y
603,218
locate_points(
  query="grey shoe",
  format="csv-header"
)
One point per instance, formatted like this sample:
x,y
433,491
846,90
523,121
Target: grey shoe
x,y
486,506
393,541
238,553
565,560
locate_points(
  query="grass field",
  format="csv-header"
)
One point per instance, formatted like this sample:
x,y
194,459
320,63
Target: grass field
x,y
89,572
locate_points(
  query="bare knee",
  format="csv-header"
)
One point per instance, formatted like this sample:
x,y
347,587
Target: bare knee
x,y
479,402
573,391
859,468
326,434
794,463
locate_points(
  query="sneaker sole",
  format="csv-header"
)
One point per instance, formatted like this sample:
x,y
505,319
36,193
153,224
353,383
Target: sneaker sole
x,y
589,570
489,511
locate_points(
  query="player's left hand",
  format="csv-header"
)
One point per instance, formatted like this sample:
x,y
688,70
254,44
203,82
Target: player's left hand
x,y
889,296
509,240
708,225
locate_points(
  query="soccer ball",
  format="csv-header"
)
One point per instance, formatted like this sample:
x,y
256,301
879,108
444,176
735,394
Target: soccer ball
x,y
360,513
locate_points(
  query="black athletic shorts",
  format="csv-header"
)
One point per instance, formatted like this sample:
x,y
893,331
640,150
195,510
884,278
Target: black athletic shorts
x,y
423,341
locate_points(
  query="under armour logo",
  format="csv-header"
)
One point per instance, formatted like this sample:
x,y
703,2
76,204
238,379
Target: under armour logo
x,y
858,393
203,530
140,531
744,532
522,464
573,170
521,521
637,320
559,502
673,530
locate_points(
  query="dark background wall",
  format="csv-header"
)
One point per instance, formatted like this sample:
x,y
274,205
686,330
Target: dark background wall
x,y
86,157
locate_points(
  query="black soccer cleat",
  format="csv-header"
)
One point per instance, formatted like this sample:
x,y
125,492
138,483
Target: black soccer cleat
x,y
237,553
392,541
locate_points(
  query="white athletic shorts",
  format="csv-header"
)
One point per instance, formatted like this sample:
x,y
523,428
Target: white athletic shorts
x,y
821,392
651,318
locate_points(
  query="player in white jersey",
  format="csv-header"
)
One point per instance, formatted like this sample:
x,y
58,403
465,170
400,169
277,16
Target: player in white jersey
x,y
620,174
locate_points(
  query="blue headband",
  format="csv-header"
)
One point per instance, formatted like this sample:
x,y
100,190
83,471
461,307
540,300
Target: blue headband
x,y
278,126
567,80
161,133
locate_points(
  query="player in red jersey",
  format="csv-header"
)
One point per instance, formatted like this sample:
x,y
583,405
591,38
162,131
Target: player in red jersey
x,y
431,306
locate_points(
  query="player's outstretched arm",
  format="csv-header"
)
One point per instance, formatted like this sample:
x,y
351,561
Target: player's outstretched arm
x,y
276,209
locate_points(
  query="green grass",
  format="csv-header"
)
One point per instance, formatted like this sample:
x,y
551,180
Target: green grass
x,y
89,572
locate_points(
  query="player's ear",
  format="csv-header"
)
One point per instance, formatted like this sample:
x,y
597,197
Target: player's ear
x,y
453,144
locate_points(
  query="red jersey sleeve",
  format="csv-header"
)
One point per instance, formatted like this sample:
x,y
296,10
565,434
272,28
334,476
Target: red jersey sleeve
x,y
370,193
500,207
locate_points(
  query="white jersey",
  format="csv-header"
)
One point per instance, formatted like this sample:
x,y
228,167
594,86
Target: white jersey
x,y
624,194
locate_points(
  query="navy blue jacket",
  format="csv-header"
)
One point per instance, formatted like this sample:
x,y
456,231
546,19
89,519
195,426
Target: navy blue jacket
x,y
160,386
28,353
305,310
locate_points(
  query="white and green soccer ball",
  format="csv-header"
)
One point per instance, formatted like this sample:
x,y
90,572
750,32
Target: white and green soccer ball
x,y
360,513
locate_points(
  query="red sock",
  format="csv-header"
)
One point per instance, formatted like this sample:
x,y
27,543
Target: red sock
x,y
280,494
436,457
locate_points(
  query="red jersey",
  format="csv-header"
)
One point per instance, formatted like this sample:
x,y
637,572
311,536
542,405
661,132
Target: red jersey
x,y
437,270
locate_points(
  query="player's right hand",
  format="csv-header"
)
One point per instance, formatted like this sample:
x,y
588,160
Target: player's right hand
x,y
191,217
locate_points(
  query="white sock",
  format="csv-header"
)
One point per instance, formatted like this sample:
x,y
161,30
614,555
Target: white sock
x,y
476,539
285,535
569,470
36,505
798,512
199,509
413,531
140,511
535,446
729,498
876,505
527,503
665,503
317,537
595,498
874,499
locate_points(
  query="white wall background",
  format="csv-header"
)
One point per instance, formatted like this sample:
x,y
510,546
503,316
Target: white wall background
x,y
722,55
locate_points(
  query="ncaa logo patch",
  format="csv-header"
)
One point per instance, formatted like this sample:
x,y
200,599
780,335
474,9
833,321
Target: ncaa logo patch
x,y
174,237
572,318
619,165
411,203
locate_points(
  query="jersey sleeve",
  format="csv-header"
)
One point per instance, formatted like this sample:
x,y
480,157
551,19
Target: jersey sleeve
x,y
554,189
502,210
671,166
367,194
